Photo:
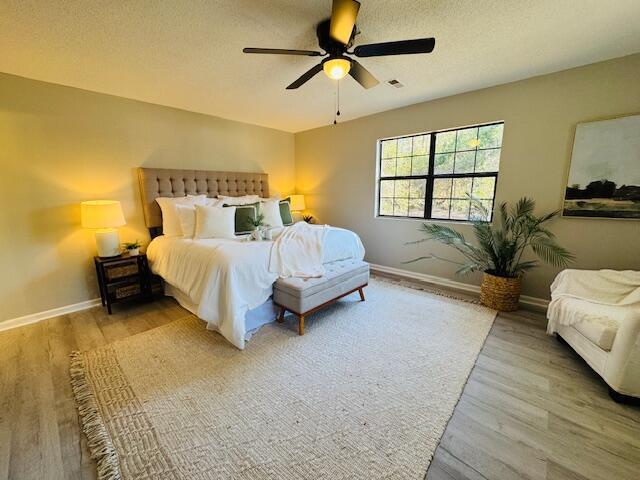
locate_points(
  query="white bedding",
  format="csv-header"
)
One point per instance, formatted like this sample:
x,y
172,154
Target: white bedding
x,y
226,278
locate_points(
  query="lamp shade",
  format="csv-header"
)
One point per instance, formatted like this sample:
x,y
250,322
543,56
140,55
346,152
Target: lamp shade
x,y
336,68
297,203
101,214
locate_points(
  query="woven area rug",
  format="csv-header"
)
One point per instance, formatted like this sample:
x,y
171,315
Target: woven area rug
x,y
366,393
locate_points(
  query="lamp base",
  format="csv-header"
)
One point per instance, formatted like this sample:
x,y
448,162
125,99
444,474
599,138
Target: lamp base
x,y
108,242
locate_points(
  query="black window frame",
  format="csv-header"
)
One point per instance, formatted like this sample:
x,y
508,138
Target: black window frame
x,y
431,176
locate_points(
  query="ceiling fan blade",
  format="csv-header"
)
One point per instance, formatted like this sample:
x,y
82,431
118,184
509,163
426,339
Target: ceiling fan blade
x,y
343,19
362,75
282,51
402,47
305,77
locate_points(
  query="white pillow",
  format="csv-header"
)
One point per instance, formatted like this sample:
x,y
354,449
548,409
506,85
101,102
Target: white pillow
x,y
213,202
170,222
187,219
271,211
243,200
187,215
215,222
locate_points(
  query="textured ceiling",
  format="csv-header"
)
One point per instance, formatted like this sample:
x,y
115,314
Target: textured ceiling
x,y
188,54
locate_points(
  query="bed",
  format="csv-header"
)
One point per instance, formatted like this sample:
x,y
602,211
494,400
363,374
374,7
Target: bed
x,y
225,282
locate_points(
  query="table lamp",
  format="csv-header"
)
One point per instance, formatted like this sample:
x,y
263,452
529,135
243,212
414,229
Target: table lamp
x,y
297,203
105,216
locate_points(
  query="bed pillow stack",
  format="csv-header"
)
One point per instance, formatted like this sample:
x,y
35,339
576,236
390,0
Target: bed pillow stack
x,y
171,226
276,213
187,215
197,216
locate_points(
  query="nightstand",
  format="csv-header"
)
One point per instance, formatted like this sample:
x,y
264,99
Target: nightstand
x,y
125,278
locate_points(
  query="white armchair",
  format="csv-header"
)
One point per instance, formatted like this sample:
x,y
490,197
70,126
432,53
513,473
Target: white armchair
x,y
598,314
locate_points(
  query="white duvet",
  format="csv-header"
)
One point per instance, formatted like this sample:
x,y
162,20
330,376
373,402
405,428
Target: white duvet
x,y
226,278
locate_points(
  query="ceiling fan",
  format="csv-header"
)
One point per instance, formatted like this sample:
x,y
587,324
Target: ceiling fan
x,y
335,37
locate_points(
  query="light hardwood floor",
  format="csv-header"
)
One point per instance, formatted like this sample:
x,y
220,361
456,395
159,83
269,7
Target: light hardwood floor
x,y
530,410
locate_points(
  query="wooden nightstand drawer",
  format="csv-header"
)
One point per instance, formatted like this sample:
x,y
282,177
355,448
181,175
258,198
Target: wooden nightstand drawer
x,y
122,291
121,270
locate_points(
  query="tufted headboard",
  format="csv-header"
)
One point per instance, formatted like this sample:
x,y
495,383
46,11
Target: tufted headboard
x,y
165,182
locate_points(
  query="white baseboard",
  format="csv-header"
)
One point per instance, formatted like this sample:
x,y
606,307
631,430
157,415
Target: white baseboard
x,y
532,303
54,312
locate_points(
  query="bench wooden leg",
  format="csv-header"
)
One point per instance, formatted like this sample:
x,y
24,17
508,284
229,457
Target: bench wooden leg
x,y
280,317
361,292
301,325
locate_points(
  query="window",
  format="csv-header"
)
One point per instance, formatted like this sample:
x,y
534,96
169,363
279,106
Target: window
x,y
435,175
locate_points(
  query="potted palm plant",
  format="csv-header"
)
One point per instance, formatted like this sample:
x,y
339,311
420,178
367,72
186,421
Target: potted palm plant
x,y
500,248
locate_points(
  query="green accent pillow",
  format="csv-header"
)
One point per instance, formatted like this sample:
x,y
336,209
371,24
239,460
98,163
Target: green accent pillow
x,y
245,217
285,212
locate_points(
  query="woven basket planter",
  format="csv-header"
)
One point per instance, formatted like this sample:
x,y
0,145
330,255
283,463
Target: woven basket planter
x,y
500,293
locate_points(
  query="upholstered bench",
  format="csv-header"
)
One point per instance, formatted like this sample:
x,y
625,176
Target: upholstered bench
x,y
304,296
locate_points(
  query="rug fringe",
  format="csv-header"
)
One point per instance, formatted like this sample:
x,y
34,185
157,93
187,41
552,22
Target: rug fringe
x,y
99,440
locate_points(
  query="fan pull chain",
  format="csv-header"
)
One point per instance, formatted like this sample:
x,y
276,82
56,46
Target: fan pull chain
x,y
335,118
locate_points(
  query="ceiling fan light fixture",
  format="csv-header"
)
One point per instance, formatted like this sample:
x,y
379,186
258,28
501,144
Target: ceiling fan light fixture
x,y
335,37
336,68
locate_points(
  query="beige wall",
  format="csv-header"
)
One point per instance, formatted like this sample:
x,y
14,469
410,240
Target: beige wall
x,y
336,165
59,146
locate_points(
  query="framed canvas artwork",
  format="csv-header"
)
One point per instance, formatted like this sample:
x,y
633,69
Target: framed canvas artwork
x,y
604,175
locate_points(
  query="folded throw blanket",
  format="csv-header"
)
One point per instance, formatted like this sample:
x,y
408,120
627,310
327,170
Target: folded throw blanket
x,y
606,287
599,287
297,252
